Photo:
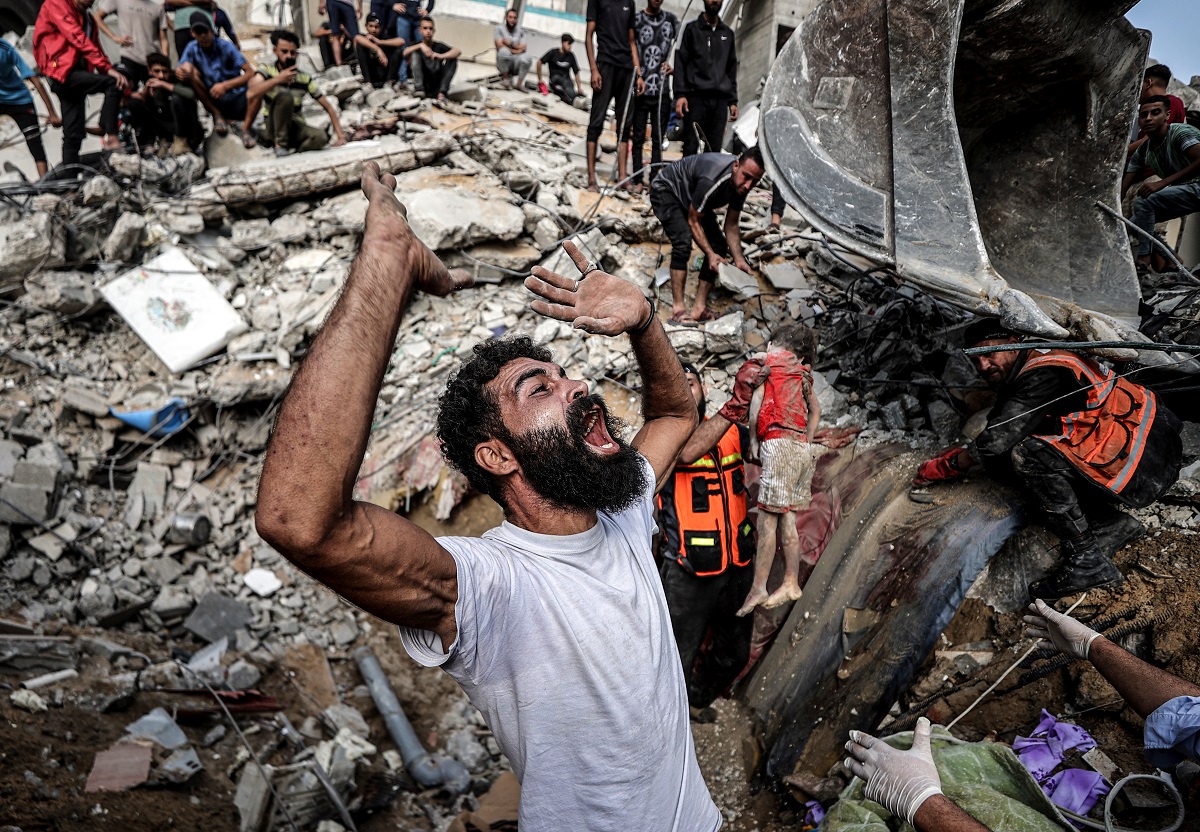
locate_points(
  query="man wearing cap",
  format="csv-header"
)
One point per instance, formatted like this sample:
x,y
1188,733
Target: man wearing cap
x,y
707,546
1080,439
218,73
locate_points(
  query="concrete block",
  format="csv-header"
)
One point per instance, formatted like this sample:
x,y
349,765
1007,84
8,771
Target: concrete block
x,y
37,241
29,504
85,400
218,616
125,237
10,452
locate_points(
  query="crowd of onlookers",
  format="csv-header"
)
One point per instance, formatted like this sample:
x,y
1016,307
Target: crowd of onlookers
x,y
153,104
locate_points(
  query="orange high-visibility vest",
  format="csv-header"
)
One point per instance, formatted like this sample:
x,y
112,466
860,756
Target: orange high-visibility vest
x,y
703,511
1106,439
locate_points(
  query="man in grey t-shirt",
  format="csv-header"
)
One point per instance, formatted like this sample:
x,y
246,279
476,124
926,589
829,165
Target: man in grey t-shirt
x,y
554,623
143,31
512,53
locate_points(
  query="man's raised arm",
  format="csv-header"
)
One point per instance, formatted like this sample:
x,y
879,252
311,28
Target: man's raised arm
x,y
601,303
372,557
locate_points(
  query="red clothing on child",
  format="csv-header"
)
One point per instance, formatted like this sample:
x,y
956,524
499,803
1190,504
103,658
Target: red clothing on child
x,y
784,411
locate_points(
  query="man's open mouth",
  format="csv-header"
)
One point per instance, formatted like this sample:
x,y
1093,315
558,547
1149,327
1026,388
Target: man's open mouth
x,y
595,432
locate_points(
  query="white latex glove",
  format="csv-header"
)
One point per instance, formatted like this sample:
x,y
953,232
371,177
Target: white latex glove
x,y
900,780
1060,631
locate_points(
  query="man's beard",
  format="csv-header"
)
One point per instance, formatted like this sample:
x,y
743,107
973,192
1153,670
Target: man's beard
x,y
563,470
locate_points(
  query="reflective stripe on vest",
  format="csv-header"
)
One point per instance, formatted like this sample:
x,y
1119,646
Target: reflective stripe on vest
x,y
709,506
1106,439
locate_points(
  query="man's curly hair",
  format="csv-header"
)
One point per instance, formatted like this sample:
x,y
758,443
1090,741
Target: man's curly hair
x,y
469,414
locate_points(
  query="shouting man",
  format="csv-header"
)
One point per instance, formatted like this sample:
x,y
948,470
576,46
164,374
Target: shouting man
x,y
554,623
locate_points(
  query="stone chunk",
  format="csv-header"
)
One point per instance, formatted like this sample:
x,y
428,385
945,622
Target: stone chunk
x,y
242,675
85,400
100,190
218,616
10,452
37,241
23,504
123,240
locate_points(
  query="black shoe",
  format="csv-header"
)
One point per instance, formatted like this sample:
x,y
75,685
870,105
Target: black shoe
x,y
1115,532
1084,566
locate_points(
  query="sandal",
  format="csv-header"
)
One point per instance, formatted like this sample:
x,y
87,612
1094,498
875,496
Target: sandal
x,y
221,127
249,140
682,319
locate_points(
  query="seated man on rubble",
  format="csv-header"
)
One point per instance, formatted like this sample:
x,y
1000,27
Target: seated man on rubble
x,y
512,52
1172,151
433,63
218,73
685,197
164,111
561,63
280,88
907,783
554,623
1076,437
378,56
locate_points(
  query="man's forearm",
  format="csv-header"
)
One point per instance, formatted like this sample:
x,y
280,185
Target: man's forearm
x,y
940,814
1143,686
665,391
321,435
733,234
698,233
1181,175
704,439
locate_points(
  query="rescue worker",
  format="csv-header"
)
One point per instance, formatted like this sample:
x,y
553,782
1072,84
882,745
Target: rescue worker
x,y
1078,438
707,546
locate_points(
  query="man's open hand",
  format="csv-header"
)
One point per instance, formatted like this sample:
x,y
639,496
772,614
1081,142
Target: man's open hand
x,y
1060,631
900,780
600,302
387,227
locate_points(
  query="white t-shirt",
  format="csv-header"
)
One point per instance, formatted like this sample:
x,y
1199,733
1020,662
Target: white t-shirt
x,y
565,646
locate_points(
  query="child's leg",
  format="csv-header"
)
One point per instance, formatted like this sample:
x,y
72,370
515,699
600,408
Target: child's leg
x,y
789,590
764,557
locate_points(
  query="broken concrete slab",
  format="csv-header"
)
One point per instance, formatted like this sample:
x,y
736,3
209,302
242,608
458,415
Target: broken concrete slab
x,y
125,765
126,236
218,616
22,504
36,242
451,210
735,280
325,170
174,309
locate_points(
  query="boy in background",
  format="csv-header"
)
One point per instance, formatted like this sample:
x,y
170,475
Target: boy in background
x,y
784,413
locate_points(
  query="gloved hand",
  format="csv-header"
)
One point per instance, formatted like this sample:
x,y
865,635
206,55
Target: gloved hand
x,y
751,375
938,469
900,780
1061,631
542,88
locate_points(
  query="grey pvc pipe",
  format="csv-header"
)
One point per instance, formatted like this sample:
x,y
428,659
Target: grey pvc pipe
x,y
427,769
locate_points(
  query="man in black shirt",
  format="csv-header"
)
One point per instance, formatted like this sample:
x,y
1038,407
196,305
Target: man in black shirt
x,y
685,197
561,63
433,62
613,62
165,109
378,55
706,80
1078,439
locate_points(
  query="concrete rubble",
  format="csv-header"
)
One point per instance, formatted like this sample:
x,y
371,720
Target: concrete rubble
x,y
91,506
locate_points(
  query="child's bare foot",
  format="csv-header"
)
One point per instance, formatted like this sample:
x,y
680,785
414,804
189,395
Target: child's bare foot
x,y
783,595
756,597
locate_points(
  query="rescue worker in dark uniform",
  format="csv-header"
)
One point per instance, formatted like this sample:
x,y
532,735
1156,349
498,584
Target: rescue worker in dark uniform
x,y
707,546
1078,438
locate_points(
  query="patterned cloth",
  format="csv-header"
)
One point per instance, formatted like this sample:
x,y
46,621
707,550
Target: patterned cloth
x,y
654,35
787,473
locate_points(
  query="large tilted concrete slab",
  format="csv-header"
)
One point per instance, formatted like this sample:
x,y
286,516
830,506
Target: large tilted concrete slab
x,y
303,174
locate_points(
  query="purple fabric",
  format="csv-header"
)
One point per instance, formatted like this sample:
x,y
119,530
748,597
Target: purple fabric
x,y
815,815
1041,754
1075,790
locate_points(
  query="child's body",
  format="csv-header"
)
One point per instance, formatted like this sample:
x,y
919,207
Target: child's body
x,y
784,413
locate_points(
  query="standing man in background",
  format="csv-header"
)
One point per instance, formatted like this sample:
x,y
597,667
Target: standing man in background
x,y
706,80
17,103
180,20
614,63
343,17
66,47
144,31
512,52
654,31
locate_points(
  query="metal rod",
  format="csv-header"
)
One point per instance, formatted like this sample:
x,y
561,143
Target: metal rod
x,y
1082,345
1146,235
